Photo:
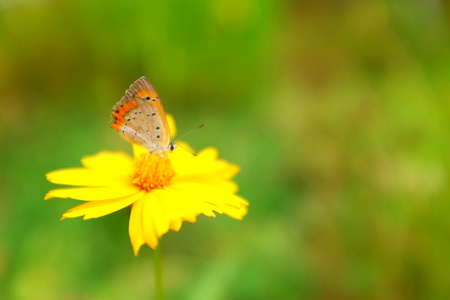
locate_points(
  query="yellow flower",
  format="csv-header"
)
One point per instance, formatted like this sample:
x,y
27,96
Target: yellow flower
x,y
163,191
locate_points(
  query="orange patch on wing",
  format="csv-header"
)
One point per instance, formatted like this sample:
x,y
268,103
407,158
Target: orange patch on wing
x,y
144,93
120,112
116,125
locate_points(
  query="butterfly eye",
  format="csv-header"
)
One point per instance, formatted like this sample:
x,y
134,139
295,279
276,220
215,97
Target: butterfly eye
x,y
171,146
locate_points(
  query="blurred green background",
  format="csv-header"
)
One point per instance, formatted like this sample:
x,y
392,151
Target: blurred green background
x,y
336,112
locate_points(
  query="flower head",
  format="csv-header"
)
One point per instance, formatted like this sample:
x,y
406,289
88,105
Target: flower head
x,y
163,191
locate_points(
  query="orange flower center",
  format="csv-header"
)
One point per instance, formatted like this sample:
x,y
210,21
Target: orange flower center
x,y
153,172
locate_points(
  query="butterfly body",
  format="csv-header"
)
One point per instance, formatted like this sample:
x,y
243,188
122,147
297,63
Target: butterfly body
x,y
139,118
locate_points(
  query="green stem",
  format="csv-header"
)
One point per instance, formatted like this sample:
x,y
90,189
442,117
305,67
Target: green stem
x,y
157,266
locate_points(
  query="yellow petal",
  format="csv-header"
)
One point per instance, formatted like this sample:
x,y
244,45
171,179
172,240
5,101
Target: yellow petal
x,y
155,221
205,162
230,186
139,151
110,162
87,177
173,128
175,225
158,214
208,154
236,213
183,206
226,170
177,208
220,194
148,226
172,215
135,227
96,209
94,193
219,167
208,157
182,159
211,198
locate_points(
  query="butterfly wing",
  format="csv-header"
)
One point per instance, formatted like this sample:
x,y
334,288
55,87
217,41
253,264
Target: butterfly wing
x,y
139,117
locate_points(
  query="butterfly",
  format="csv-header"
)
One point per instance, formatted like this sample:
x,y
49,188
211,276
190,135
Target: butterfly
x,y
139,118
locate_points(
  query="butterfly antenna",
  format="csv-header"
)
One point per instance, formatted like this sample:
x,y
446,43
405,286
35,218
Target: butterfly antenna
x,y
189,132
